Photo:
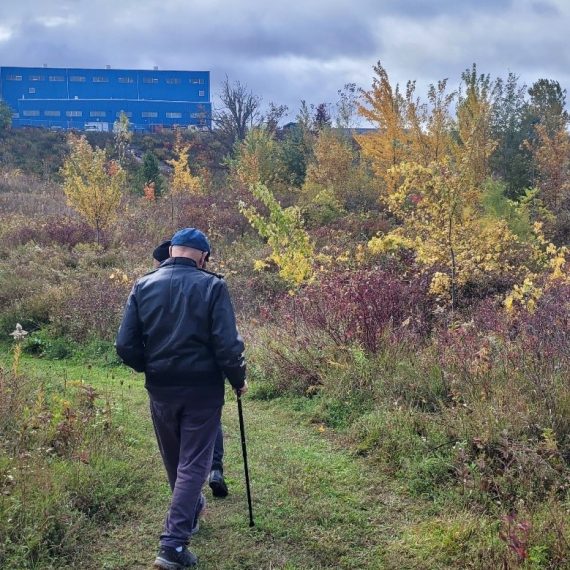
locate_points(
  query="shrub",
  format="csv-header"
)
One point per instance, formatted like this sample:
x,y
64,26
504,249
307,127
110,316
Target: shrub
x,y
481,406
520,361
218,217
361,306
29,284
92,308
32,312
254,293
65,231
510,472
352,228
102,351
545,331
287,367
42,344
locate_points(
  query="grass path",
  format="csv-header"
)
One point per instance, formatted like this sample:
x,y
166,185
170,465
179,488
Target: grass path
x,y
315,505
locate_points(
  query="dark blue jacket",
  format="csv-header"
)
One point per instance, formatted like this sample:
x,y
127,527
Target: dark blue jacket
x,y
179,328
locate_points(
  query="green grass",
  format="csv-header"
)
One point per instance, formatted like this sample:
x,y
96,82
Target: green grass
x,y
317,505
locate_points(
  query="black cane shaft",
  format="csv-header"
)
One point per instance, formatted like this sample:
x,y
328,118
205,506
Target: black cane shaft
x,y
244,451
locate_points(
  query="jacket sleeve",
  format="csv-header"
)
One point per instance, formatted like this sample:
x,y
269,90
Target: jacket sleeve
x,y
227,343
129,343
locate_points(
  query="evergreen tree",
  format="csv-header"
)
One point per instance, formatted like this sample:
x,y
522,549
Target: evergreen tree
x,y
511,161
294,154
322,118
547,104
150,172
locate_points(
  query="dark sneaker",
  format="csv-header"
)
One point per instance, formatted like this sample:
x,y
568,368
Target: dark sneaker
x,y
217,483
169,559
199,509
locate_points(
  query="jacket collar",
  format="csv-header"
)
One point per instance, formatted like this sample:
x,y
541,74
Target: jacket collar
x,y
179,261
185,261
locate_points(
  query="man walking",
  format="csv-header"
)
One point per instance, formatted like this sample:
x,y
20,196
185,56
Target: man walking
x,y
216,479
179,329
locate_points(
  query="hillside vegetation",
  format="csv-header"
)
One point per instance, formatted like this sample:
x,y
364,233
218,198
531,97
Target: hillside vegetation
x,y
405,299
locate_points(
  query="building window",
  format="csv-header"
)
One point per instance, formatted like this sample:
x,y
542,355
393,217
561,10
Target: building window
x,y
198,81
201,93
127,113
52,113
77,78
73,113
173,115
32,90
126,80
173,81
15,115
36,78
100,80
31,113
149,115
150,79
56,78
97,113
14,78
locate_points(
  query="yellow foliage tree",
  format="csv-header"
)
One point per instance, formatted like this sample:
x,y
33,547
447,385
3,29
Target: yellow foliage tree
x,y
291,247
384,106
123,136
474,116
434,169
551,153
553,263
182,181
406,128
255,158
434,184
92,184
332,162
430,124
440,219
330,176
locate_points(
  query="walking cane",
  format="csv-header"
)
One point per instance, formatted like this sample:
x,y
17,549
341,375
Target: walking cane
x,y
244,451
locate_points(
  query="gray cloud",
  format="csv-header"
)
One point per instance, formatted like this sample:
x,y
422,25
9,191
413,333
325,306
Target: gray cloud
x,y
297,50
545,8
420,9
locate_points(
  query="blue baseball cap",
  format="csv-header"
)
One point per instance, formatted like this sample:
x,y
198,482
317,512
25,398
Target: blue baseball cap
x,y
191,237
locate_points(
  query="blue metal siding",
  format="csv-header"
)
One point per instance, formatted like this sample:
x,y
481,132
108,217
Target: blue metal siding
x,y
74,113
38,94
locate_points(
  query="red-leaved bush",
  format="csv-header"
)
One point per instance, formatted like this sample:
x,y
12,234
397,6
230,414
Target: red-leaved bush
x,y
545,333
65,231
361,306
540,337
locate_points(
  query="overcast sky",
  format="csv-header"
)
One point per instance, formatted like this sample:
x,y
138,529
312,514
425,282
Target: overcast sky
x,y
298,49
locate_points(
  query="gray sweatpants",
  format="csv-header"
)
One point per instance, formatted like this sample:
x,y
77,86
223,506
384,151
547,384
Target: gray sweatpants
x,y
186,437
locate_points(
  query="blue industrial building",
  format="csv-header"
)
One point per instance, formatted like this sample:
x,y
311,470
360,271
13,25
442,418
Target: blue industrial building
x,y
93,99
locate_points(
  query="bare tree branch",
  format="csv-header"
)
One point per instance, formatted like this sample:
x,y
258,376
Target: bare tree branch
x,y
239,111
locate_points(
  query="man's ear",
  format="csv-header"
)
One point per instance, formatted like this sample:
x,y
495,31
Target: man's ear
x,y
170,251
